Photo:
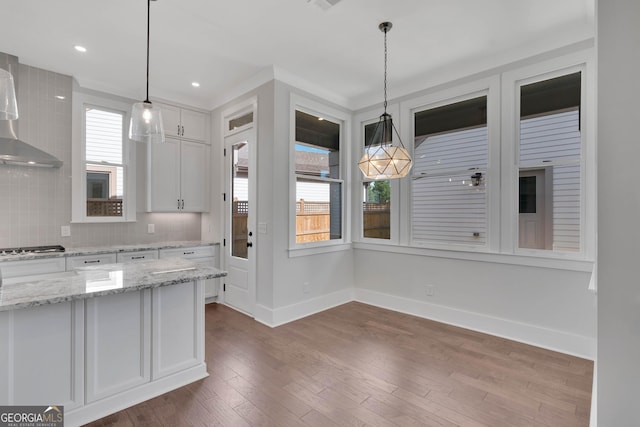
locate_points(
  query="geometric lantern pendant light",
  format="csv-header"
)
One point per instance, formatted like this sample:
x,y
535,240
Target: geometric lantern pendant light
x,y
382,159
146,119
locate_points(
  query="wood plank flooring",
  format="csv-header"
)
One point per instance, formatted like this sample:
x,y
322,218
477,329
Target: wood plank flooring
x,y
358,365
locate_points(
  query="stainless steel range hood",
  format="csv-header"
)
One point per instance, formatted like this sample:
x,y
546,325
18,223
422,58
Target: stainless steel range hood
x,y
12,150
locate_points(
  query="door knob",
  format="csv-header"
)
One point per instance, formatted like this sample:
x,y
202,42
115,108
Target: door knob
x,y
249,244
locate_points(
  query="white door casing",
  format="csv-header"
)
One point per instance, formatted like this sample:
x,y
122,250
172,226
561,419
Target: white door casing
x,y
239,286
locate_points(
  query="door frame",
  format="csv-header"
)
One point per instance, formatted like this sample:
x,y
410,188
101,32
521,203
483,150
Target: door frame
x,y
230,137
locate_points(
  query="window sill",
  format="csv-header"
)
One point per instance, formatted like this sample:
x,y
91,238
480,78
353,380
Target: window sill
x,y
319,249
512,259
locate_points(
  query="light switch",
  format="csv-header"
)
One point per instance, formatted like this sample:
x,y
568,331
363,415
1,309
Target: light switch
x,y
262,227
65,230
151,228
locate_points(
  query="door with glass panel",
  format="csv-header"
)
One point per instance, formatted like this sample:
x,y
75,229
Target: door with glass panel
x,y
240,236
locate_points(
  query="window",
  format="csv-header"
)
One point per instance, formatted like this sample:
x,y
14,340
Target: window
x,y
103,162
103,188
549,164
241,122
449,176
503,168
318,186
376,206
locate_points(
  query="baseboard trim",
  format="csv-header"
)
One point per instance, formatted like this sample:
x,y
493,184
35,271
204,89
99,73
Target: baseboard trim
x,y
572,344
289,313
125,399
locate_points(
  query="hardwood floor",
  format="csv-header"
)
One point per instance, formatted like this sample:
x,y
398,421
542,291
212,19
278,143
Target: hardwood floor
x,y
361,365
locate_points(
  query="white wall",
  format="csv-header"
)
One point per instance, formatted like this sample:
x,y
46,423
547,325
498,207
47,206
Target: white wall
x,y
542,306
328,273
618,366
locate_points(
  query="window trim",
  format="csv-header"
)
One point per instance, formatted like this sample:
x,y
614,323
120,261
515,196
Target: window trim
x,y
489,87
78,159
244,108
364,119
306,105
512,81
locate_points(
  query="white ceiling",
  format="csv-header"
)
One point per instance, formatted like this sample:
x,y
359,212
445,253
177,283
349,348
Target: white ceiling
x,y
339,52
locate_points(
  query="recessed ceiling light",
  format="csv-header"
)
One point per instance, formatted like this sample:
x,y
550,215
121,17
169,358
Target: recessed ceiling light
x,y
60,97
195,84
80,48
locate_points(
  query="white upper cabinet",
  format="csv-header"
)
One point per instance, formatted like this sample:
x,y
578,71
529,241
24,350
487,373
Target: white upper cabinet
x,y
177,170
184,123
177,176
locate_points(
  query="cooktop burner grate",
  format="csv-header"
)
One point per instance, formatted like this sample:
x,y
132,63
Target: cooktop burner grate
x,y
31,250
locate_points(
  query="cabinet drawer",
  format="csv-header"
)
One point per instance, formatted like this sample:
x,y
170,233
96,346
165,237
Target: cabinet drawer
x,y
192,252
31,267
136,256
88,260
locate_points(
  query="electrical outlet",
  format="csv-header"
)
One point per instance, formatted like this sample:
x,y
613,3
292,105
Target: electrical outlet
x,y
306,287
431,290
151,228
65,231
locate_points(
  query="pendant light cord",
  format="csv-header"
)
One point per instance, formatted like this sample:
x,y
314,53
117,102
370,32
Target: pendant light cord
x,y
385,70
148,24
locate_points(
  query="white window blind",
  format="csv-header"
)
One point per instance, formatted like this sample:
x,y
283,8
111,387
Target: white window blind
x,y
104,142
103,136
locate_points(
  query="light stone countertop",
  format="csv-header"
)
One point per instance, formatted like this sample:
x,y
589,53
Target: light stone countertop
x,y
88,282
94,250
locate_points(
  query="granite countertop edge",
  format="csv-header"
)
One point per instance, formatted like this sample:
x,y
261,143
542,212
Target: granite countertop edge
x,y
144,275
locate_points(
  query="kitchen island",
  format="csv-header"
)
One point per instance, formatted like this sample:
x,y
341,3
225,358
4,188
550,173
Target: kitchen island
x,y
100,339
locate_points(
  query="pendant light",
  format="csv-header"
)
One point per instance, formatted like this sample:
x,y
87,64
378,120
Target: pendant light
x,y
382,159
8,103
146,119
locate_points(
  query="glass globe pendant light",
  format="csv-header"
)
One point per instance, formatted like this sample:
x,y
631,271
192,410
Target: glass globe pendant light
x,y
146,119
382,159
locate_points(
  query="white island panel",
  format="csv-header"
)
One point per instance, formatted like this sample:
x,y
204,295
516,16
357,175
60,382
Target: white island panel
x,y
117,343
42,360
179,332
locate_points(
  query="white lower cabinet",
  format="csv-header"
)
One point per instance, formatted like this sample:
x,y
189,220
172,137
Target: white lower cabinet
x,y
204,255
137,256
179,324
41,355
11,269
77,261
118,340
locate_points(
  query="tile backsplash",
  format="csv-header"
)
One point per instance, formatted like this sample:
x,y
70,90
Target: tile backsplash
x,y
36,202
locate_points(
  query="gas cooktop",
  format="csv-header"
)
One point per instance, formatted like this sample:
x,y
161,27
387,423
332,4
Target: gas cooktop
x,y
31,250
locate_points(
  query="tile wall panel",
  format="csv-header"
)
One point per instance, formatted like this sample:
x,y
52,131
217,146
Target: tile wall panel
x,y
36,202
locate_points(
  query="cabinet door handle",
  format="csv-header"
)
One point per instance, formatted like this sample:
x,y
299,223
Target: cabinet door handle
x,y
182,130
178,203
92,261
188,253
178,130
138,257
